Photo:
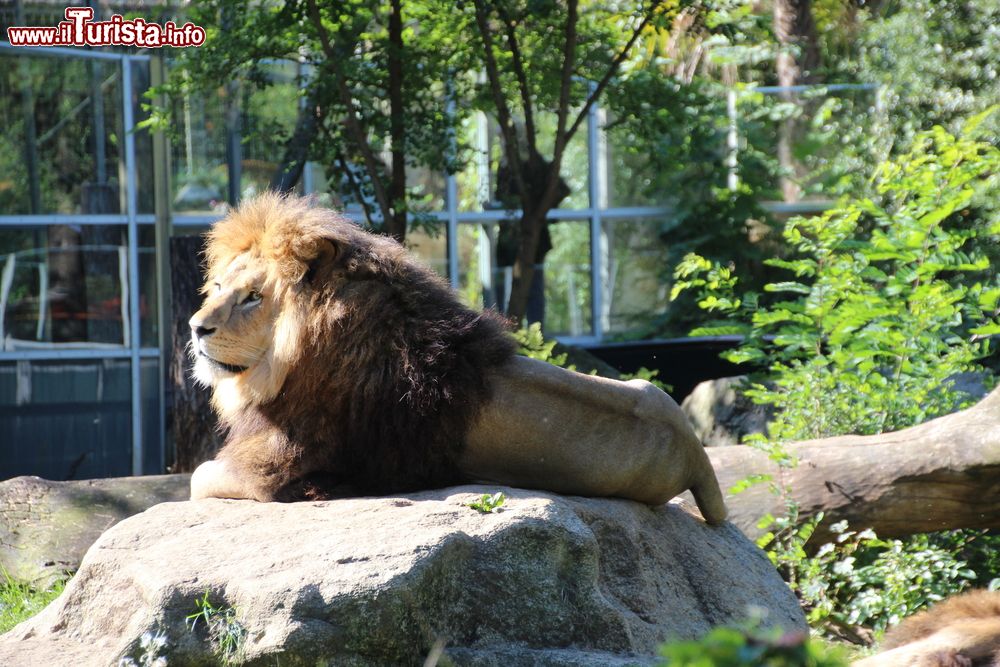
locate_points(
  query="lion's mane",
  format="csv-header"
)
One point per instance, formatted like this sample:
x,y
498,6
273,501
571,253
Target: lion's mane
x,y
376,369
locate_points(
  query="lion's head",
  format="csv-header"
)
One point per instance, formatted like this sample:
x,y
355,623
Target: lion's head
x,y
267,262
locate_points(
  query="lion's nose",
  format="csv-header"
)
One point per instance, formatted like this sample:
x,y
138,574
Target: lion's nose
x,y
201,331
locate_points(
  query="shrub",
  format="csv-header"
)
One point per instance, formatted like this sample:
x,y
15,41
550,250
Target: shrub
x,y
889,298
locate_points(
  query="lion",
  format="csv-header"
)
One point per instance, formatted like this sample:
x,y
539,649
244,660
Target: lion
x,y
339,363
962,631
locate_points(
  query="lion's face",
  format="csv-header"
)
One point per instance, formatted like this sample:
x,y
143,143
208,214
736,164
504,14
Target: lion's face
x,y
265,261
233,331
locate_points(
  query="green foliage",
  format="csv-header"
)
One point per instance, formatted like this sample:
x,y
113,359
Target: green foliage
x,y
226,632
751,645
888,298
20,601
487,504
531,343
936,60
859,580
649,375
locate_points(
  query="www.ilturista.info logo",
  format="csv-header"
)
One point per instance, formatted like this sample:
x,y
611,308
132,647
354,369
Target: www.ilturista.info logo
x,y
80,30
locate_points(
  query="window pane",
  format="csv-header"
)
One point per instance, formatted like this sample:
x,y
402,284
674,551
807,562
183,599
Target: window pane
x,y
475,264
148,311
268,120
637,288
145,183
631,178
566,279
62,285
60,149
152,448
198,154
429,242
65,419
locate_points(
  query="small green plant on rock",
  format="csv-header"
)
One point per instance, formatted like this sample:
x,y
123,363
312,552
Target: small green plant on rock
x,y
226,632
487,504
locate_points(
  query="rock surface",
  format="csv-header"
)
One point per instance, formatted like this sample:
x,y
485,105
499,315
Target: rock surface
x,y
548,580
46,527
721,415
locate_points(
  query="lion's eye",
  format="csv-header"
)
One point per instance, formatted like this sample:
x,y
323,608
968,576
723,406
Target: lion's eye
x,y
252,297
218,288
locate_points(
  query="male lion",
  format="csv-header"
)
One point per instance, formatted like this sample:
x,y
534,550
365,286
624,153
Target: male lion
x,y
336,360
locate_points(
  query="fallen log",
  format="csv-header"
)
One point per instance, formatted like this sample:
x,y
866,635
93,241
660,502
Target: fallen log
x,y
940,475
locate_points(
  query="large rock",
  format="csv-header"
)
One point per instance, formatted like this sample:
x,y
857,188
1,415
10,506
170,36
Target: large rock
x,y
549,580
721,415
46,527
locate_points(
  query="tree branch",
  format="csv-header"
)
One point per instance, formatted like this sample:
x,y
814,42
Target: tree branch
x,y
373,166
612,71
517,62
396,225
565,83
297,149
507,128
352,182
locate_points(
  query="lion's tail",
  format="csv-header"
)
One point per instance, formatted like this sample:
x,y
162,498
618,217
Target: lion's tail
x,y
708,495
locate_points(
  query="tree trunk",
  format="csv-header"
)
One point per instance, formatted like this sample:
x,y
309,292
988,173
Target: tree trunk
x,y
395,226
530,227
797,61
940,475
192,420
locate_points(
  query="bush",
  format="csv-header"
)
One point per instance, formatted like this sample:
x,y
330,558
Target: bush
x,y
889,298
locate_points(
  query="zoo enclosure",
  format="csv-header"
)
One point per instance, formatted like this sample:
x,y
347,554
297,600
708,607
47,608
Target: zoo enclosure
x,y
83,381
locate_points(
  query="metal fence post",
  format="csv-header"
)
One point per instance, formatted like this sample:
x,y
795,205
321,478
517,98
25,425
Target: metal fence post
x,y
596,172
131,204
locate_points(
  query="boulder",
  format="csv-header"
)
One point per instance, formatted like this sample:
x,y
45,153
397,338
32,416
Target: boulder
x,y
721,415
546,580
46,527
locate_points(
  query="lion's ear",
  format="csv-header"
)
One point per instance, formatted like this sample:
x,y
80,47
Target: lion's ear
x,y
319,266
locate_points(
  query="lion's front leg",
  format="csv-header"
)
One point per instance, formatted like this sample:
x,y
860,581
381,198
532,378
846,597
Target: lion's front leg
x,y
255,468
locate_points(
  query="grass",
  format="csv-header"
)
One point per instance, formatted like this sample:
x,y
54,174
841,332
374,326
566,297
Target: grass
x,y
20,601
226,632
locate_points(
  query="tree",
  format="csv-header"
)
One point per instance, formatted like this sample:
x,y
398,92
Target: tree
x,y
550,57
797,61
379,87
